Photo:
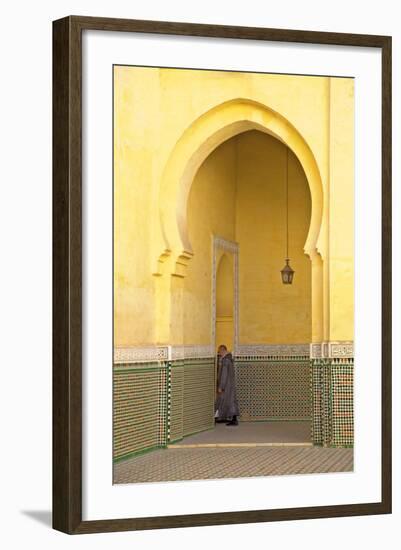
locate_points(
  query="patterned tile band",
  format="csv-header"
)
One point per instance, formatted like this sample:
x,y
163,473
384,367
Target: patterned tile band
x,y
155,403
177,401
344,349
316,396
198,396
192,397
140,354
273,389
272,350
333,401
139,406
342,402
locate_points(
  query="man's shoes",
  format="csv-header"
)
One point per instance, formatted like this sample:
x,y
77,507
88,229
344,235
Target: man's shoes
x,y
233,422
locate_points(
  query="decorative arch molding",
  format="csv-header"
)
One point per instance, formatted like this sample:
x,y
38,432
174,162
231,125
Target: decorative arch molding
x,y
198,141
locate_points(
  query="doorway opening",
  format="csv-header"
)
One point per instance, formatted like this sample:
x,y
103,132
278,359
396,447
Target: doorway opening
x,y
238,197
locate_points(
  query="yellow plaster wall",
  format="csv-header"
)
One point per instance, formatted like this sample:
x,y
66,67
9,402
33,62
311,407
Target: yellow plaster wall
x,y
341,225
134,130
211,211
271,312
225,332
225,302
153,109
239,194
225,287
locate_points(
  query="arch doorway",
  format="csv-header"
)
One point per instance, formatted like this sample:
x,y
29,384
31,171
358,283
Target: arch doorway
x,y
237,199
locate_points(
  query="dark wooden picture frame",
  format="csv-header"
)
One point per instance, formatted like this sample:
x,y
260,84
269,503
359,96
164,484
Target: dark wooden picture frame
x,y
67,274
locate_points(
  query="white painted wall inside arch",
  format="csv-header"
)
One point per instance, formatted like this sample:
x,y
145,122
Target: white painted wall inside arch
x,y
100,498
26,472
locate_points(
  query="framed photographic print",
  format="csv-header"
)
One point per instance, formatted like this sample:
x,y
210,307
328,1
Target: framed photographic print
x,y
221,274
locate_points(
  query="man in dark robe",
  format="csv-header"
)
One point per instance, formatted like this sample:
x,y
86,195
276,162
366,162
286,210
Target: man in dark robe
x,y
226,405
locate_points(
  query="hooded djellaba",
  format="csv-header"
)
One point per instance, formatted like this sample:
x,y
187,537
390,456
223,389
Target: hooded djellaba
x,y
226,405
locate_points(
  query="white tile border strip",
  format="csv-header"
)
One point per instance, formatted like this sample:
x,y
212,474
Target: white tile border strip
x,y
140,354
332,350
146,354
277,350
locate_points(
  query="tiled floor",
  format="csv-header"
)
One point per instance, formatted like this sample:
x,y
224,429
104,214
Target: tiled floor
x,y
175,464
253,433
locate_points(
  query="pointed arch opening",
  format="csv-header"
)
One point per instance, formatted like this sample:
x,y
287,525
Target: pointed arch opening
x,y
203,136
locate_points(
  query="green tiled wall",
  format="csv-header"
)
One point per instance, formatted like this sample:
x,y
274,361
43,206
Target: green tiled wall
x,y
333,398
139,404
271,389
155,403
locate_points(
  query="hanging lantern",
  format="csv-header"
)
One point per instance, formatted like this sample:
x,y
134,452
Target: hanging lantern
x,y
287,273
